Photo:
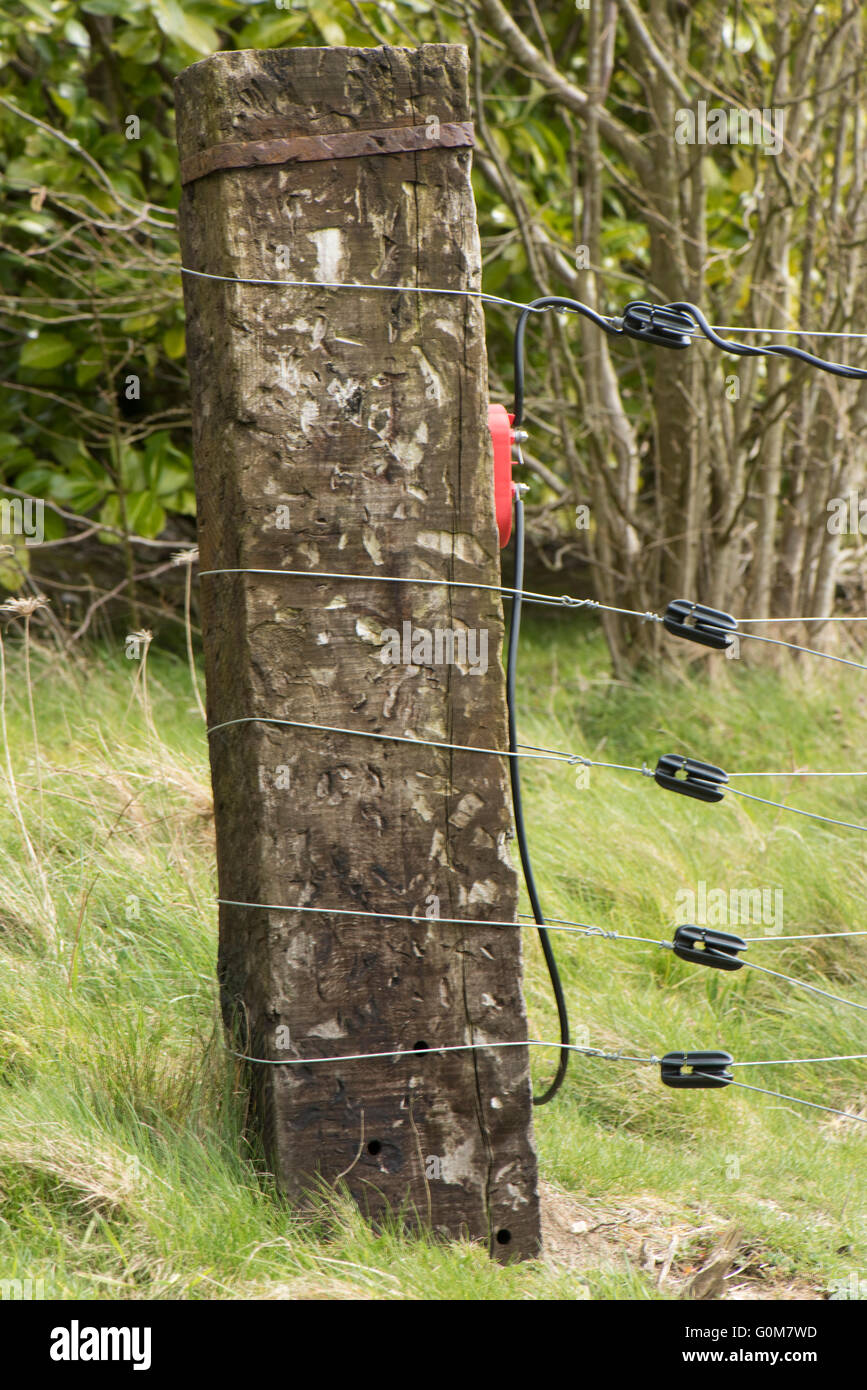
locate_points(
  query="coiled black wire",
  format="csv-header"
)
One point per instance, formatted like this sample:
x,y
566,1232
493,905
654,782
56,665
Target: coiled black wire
x,y
520,828
549,301
772,349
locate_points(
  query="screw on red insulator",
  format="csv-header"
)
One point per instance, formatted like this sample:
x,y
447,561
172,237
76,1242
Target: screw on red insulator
x,y
502,435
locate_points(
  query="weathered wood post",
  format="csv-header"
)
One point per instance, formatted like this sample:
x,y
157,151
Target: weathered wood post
x,y
344,430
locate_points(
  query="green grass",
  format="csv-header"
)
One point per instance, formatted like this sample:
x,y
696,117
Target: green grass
x,y
123,1171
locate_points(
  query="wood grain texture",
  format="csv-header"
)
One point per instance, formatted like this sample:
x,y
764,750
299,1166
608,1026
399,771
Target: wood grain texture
x,y
364,414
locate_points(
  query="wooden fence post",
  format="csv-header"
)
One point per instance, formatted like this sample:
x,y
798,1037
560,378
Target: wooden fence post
x,y
344,430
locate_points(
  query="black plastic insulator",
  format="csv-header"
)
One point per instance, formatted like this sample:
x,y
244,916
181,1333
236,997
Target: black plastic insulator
x,y
652,323
690,777
709,1070
710,627
703,946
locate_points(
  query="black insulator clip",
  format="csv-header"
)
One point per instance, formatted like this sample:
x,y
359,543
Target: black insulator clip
x,y
708,1070
710,627
691,778
706,947
652,323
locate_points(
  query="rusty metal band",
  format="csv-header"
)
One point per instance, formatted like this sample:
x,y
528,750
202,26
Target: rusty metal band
x,y
349,144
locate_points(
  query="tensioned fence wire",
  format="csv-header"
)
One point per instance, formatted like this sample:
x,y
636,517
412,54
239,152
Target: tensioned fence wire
x,y
610,325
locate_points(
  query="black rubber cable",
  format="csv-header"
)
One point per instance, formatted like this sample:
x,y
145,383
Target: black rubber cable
x,y
772,349
520,828
615,329
549,301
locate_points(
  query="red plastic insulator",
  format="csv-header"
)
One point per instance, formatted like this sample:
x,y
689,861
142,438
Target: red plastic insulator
x,y
502,435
